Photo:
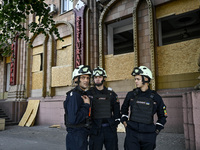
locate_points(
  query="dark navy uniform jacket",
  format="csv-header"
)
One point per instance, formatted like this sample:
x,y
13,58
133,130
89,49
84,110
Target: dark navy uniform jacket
x,y
75,107
115,108
158,107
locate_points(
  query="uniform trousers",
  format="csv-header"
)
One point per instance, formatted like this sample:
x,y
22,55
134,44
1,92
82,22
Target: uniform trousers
x,y
105,137
76,139
139,141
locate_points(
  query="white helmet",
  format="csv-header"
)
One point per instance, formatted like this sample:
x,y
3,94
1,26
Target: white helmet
x,y
81,70
143,71
99,72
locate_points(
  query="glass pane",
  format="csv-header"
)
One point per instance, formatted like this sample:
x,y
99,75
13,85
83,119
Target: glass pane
x,y
65,4
70,5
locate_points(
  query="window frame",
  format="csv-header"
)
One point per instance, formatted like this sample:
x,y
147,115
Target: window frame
x,y
69,6
117,27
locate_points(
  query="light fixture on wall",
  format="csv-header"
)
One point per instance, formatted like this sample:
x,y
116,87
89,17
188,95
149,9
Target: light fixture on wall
x,y
52,9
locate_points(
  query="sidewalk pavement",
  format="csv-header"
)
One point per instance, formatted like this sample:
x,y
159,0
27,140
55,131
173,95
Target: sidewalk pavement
x,y
45,138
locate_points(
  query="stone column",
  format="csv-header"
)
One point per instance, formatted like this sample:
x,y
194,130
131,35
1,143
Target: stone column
x,y
196,118
191,110
197,87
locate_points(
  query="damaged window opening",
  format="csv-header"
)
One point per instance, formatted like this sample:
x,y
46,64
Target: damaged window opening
x,y
178,28
123,42
120,37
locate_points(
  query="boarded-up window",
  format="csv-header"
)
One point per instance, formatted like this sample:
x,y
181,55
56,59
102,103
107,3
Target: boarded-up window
x,y
37,67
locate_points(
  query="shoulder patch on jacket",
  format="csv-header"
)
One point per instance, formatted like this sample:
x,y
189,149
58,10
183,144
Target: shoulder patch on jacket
x,y
109,88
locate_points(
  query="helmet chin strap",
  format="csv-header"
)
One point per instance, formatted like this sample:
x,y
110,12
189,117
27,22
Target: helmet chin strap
x,y
78,81
143,80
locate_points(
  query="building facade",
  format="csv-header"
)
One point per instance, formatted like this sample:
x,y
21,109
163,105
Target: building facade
x,y
118,35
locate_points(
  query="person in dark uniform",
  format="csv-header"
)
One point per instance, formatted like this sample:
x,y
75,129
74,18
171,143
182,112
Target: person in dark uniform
x,y
77,106
105,113
141,131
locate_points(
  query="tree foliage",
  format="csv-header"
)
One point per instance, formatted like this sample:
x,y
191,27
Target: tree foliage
x,y
13,18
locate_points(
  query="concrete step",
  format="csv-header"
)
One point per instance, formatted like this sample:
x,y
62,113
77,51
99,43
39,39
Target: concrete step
x,y
8,121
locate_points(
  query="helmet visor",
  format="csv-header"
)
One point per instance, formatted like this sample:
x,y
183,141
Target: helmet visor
x,y
98,72
84,69
137,71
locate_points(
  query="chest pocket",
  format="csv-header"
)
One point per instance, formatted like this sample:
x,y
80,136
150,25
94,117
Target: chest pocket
x,y
101,106
142,110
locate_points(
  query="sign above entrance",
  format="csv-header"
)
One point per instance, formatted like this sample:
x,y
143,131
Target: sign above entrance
x,y
13,64
79,54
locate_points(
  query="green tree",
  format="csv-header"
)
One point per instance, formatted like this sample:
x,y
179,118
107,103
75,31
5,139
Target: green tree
x,y
13,18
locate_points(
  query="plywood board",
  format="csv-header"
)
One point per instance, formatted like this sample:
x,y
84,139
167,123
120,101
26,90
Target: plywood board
x,y
61,76
176,7
61,57
37,80
119,67
31,120
61,44
30,113
37,50
178,58
64,56
36,63
2,124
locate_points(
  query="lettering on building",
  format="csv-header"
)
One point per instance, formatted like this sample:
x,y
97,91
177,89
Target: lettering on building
x,y
79,53
13,65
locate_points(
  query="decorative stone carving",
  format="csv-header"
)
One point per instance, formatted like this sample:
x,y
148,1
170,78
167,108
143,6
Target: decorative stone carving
x,y
79,5
197,87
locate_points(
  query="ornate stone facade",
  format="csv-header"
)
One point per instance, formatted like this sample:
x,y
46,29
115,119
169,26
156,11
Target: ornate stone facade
x,y
45,71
